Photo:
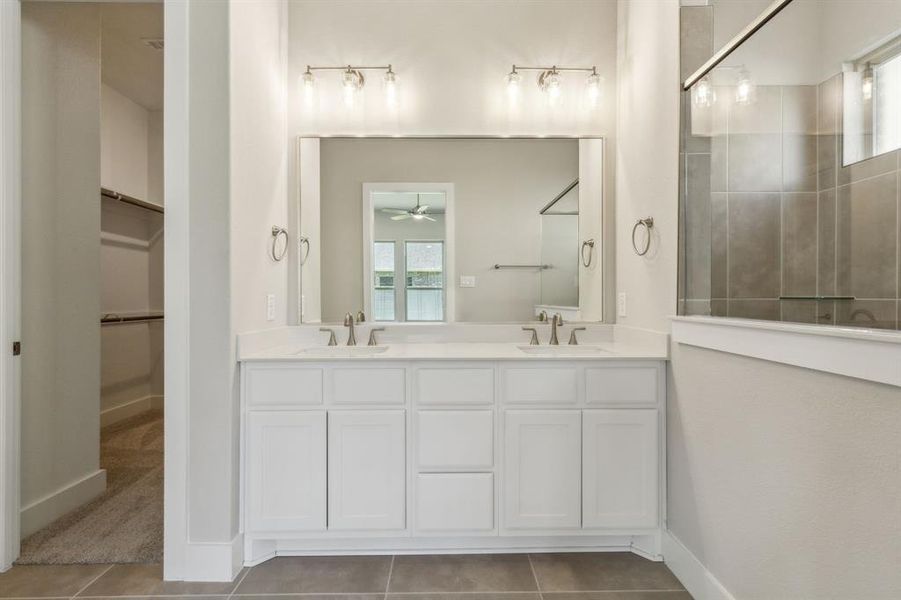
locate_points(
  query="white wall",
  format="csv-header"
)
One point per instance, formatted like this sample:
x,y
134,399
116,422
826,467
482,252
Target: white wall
x,y
496,213
123,144
784,482
60,259
451,59
647,159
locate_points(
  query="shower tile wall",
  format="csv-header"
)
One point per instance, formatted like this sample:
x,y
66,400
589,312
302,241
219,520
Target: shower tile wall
x,y
768,212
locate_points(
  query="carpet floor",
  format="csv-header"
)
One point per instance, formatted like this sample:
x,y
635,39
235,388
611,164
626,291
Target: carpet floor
x,y
125,523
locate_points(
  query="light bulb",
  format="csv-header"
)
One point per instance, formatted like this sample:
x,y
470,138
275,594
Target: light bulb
x,y
744,88
309,84
593,87
351,82
866,84
703,94
513,79
549,82
390,87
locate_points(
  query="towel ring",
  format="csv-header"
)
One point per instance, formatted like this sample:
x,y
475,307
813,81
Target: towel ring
x,y
277,232
590,244
648,224
304,249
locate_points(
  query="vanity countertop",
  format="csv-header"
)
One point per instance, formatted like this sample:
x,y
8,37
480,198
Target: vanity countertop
x,y
462,351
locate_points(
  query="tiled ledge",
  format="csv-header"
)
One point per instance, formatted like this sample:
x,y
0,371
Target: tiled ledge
x,y
862,353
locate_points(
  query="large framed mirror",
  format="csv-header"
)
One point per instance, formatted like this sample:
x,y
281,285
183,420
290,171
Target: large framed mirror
x,y
442,230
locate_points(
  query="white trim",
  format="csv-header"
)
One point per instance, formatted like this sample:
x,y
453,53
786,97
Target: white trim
x,y
177,296
129,409
44,511
214,561
10,277
699,582
862,353
449,246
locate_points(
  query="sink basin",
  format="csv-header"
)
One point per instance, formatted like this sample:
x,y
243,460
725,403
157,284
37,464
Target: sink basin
x,y
563,350
344,351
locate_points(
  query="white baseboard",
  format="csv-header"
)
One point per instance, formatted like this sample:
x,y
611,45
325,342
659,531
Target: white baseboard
x,y
42,512
699,582
214,561
129,409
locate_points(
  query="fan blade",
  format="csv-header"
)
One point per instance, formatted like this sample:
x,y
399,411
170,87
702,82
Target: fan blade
x,y
399,211
400,217
422,209
428,218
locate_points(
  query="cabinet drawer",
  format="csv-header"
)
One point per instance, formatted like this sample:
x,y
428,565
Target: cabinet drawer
x,y
455,386
621,385
455,439
542,385
368,386
283,385
449,502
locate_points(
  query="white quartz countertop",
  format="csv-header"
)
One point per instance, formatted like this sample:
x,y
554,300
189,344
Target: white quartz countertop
x,y
612,350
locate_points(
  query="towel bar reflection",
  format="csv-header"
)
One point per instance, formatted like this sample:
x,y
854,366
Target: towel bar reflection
x,y
539,267
278,232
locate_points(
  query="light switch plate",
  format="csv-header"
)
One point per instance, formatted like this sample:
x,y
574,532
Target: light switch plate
x,y
467,281
270,307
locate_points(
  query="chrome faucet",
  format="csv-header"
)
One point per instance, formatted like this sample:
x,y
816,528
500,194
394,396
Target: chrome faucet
x,y
349,323
573,340
533,341
372,340
556,322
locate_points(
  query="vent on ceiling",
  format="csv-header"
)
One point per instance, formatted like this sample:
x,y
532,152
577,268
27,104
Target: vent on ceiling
x,y
155,43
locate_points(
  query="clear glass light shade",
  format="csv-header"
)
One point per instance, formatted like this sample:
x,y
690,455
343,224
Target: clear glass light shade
x,y
351,82
309,81
513,80
391,87
702,93
866,84
550,83
744,89
593,88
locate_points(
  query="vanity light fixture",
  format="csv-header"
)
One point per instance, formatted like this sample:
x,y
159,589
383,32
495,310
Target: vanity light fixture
x,y
549,80
866,83
744,88
702,93
353,80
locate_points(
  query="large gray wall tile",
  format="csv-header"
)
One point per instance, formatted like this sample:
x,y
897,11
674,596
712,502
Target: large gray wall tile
x,y
755,162
754,245
799,311
696,36
829,106
878,165
799,244
763,115
697,226
767,310
866,239
719,245
799,109
879,314
826,243
799,162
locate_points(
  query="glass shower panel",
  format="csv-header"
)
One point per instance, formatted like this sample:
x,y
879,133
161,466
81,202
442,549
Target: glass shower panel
x,y
559,248
774,225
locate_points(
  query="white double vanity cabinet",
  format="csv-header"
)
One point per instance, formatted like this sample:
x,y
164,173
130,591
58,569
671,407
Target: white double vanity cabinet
x,y
451,447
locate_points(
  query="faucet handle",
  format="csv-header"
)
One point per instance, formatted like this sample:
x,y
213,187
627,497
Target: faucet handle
x,y
534,339
348,320
331,337
542,316
372,340
361,316
572,336
559,318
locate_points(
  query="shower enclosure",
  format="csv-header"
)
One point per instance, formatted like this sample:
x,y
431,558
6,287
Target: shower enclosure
x,y
789,171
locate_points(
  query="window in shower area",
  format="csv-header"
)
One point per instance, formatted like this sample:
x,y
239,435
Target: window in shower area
x,y
779,219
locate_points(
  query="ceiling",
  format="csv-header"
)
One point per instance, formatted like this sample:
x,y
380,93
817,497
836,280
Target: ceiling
x,y
128,64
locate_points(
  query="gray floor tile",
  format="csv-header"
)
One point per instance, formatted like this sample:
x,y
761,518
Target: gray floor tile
x,y
318,574
147,580
463,573
469,596
642,595
47,581
309,597
601,571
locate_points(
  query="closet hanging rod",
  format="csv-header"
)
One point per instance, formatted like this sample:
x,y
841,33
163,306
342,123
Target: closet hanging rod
x,y
113,319
130,200
539,267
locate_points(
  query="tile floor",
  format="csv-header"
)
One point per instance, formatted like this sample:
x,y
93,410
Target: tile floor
x,y
595,576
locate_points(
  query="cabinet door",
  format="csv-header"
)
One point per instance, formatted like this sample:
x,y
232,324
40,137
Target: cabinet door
x,y
366,469
542,474
620,468
286,458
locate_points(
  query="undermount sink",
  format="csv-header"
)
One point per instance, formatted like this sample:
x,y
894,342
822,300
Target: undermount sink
x,y
563,350
344,351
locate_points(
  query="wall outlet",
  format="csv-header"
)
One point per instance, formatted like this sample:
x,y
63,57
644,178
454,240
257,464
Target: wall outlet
x,y
270,307
467,281
621,304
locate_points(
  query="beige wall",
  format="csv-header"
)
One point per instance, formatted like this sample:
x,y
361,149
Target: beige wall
x,y
60,249
784,482
647,159
500,185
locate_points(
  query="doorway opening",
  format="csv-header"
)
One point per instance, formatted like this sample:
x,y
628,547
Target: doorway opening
x,y
91,471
